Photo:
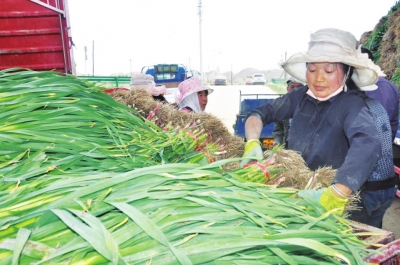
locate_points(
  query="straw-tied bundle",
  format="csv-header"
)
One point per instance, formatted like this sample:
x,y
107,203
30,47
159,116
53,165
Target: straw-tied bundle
x,y
286,168
85,180
295,173
167,116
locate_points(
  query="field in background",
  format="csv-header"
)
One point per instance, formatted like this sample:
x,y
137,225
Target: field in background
x,y
278,88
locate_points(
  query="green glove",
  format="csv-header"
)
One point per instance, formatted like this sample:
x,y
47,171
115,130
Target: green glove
x,y
252,151
314,195
331,201
326,198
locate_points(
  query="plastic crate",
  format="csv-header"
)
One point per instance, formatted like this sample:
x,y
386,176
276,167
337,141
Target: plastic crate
x,y
388,255
397,170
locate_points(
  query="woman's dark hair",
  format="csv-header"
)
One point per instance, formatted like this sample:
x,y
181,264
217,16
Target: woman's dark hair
x,y
160,98
206,90
349,81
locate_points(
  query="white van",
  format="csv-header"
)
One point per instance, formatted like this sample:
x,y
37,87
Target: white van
x,y
258,79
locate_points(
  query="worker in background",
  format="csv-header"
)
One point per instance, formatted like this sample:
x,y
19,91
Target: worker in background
x,y
281,130
377,196
146,81
387,94
332,125
193,95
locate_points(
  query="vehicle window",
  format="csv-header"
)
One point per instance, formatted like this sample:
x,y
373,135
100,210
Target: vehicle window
x,y
165,76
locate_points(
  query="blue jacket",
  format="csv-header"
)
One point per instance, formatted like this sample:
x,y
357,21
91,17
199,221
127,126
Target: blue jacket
x,y
388,95
339,132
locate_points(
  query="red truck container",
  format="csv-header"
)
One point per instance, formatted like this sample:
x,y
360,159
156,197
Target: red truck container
x,y
35,34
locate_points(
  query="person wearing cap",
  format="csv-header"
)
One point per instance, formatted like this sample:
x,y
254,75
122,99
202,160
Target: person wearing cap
x,y
146,81
332,125
281,128
292,84
193,95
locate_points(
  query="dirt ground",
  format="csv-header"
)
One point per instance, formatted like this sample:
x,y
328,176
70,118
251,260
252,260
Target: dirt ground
x,y
227,109
391,218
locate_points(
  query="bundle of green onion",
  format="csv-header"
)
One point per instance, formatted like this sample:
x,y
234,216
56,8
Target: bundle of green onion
x,y
53,122
168,214
87,181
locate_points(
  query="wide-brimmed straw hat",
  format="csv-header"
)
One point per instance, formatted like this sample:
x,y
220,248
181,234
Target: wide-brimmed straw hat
x,y
336,46
190,86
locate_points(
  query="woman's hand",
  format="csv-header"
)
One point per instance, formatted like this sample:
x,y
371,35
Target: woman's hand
x,y
252,151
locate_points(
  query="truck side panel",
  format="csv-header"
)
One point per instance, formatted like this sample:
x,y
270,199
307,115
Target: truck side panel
x,y
246,106
35,36
240,131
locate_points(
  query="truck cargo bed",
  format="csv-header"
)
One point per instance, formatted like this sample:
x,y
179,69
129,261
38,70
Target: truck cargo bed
x,y
388,255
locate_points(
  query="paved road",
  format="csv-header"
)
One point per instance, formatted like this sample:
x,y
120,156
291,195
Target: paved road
x,y
392,217
224,101
224,104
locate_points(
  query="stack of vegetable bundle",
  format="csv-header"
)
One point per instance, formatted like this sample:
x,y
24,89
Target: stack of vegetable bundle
x,y
168,214
49,122
85,180
165,115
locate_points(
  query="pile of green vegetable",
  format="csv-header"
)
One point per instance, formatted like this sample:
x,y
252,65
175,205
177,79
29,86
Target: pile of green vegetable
x,y
53,122
85,180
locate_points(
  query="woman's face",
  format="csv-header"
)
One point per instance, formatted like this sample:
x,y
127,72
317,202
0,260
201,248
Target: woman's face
x,y
324,78
203,99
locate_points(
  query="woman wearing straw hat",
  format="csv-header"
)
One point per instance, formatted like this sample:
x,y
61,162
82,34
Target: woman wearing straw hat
x,y
332,124
193,95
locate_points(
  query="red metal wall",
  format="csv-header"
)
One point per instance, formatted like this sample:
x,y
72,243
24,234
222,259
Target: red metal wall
x,y
34,36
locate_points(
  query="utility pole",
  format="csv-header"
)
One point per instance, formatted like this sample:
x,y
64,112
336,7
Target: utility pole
x,y
231,76
200,40
285,61
85,60
130,64
93,59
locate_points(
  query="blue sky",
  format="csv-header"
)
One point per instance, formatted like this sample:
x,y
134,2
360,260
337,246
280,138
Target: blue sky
x,y
235,34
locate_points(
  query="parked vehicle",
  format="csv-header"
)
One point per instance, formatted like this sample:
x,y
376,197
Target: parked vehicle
x,y
36,35
220,80
258,79
249,79
248,102
169,75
